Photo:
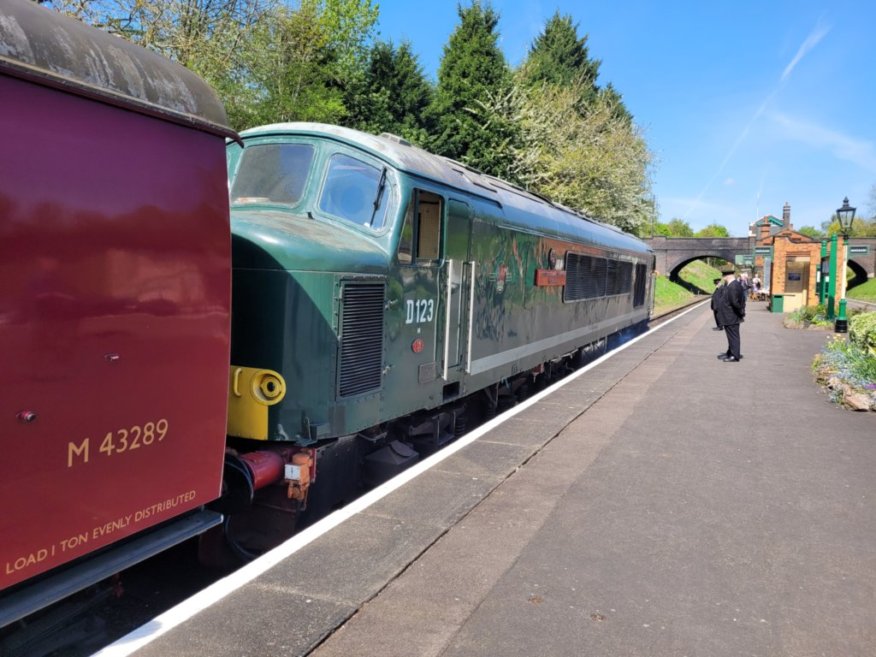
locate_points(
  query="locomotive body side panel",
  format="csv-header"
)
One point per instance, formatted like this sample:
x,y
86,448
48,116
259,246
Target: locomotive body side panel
x,y
114,323
519,324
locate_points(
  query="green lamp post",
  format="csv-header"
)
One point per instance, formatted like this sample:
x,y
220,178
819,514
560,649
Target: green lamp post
x,y
845,215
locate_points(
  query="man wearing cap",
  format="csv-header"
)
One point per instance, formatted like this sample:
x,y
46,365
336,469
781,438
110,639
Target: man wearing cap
x,y
730,313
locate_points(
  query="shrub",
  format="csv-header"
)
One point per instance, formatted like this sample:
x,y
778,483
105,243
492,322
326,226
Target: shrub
x,y
862,333
807,316
849,362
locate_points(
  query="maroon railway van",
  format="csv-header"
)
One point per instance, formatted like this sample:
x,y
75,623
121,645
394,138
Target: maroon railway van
x,y
114,305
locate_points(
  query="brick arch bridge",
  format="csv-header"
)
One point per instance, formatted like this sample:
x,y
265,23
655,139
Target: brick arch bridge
x,y
673,253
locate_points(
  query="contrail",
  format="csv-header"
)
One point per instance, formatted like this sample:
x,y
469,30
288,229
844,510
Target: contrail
x,y
808,44
811,41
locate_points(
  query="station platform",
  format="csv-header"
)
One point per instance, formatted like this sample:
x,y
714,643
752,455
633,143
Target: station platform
x,y
661,503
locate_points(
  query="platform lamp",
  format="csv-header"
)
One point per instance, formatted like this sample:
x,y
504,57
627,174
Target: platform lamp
x,y
845,215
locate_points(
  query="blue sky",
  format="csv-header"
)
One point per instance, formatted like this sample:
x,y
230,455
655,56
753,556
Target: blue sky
x,y
745,105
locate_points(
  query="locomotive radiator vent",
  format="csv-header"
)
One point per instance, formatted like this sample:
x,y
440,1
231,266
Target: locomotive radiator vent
x,y
361,358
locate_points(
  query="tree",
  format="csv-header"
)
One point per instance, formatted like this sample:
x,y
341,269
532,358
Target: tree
x,y
266,61
861,227
298,63
558,56
675,228
472,71
811,231
576,144
713,230
392,94
592,162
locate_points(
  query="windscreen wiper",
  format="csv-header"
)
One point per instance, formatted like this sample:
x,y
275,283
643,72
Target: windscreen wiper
x,y
381,185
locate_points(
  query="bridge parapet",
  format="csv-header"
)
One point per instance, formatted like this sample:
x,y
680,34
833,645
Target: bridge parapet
x,y
673,253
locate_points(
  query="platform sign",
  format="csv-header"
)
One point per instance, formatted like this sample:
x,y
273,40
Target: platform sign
x,y
763,250
744,260
859,249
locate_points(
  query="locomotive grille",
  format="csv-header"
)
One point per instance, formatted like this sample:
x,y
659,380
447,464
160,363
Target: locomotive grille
x,y
361,358
589,277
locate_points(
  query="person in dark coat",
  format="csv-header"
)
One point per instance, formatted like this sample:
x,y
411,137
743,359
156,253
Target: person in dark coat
x,y
716,299
730,314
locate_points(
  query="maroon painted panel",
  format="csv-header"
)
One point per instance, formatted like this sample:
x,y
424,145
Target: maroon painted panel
x,y
114,324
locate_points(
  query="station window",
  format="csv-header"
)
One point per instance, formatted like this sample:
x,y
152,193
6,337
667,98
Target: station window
x,y
355,191
272,173
420,238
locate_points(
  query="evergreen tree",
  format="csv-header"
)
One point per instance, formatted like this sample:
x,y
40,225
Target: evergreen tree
x,y
559,57
392,94
472,71
611,96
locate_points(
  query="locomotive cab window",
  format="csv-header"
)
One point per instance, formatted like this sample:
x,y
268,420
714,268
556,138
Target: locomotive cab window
x,y
355,191
421,232
272,173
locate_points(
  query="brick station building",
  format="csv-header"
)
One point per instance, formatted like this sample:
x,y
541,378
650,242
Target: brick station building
x,y
790,262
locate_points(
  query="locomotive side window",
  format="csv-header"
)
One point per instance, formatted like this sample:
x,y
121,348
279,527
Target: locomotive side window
x,y
421,232
272,173
429,235
355,191
406,240
641,280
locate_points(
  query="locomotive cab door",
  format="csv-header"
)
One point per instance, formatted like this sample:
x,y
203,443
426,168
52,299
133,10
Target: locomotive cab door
x,y
457,276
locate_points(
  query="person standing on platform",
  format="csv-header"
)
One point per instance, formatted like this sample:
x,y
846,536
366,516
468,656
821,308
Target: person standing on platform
x,y
731,313
716,300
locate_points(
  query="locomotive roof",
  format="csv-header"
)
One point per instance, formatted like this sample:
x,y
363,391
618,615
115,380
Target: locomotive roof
x,y
43,46
522,207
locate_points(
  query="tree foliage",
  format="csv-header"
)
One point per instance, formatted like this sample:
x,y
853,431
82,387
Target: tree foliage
x,y
811,231
392,95
591,161
472,69
558,56
555,133
713,230
268,62
861,227
675,228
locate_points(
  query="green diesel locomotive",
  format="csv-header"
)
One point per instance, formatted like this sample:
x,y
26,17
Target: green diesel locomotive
x,y
383,295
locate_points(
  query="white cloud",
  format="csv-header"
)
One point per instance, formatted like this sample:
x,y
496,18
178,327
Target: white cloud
x,y
808,44
844,147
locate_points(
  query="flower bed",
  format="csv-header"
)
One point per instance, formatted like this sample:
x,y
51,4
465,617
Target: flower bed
x,y
847,367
